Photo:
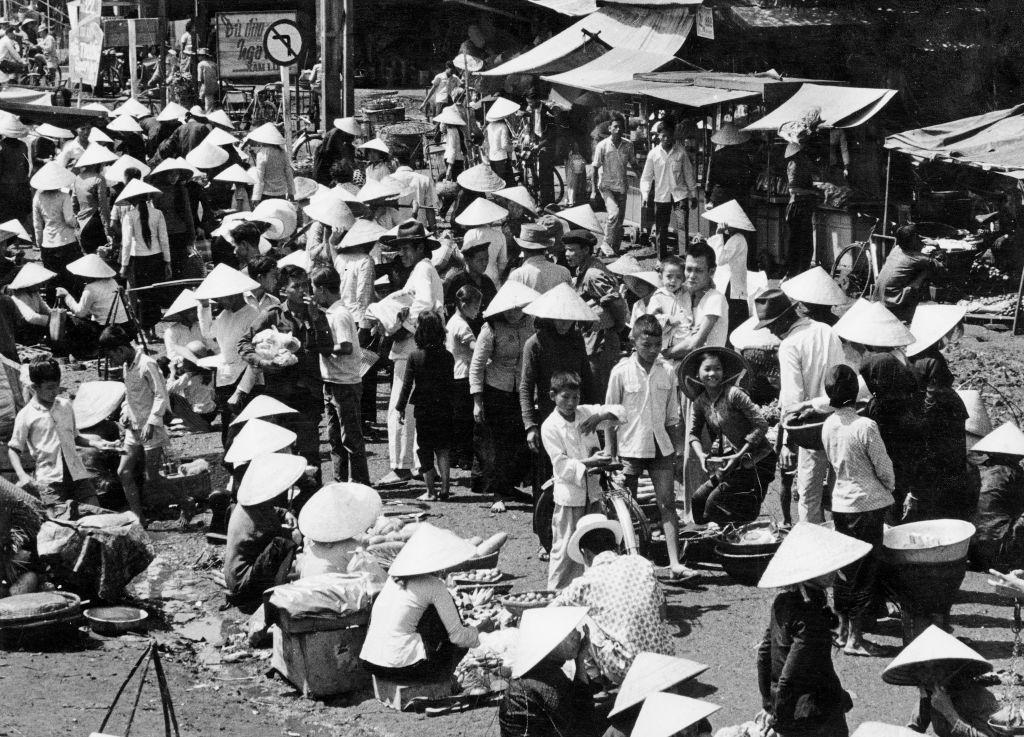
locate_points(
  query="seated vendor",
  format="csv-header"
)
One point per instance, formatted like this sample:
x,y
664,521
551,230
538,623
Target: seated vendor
x,y
191,388
330,521
650,674
906,275
626,603
415,631
21,516
999,518
541,700
260,544
26,293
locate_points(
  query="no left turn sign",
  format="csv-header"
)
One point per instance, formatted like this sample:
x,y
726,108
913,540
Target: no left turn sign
x,y
283,42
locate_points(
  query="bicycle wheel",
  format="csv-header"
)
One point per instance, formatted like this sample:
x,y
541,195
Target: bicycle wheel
x,y
636,528
559,187
305,147
852,270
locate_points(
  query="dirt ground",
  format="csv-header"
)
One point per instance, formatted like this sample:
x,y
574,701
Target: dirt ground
x,y
220,687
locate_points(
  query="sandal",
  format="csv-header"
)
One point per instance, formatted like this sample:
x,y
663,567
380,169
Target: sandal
x,y
428,497
864,650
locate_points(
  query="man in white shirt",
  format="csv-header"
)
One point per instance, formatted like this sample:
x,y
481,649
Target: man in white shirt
x,y
10,55
420,192
209,87
613,156
807,352
668,175
498,139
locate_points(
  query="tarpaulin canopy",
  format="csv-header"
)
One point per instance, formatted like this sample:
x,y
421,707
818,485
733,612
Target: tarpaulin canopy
x,y
655,30
992,141
694,96
617,66
840,107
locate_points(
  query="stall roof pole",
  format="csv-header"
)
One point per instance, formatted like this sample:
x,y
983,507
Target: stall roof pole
x,y
885,207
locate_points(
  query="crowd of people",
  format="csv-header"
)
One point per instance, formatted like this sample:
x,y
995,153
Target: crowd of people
x,y
514,351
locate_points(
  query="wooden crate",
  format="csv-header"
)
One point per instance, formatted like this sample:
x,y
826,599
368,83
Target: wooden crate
x,y
321,663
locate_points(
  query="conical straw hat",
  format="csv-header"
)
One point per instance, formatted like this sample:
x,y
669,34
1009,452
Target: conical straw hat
x,y
114,174
872,324
481,211
480,178
330,209
500,109
625,264
511,295
11,126
268,134
431,550
31,274
541,631
51,131
339,511
52,176
236,174
171,111
262,406
583,216
269,475
931,323
810,551
219,137
175,164
449,116
15,228
748,336
98,136
91,266
124,124
96,155
281,215
135,188
879,729
521,196
666,714
307,189
186,300
363,233
132,107
978,422
815,287
1006,439
95,401
224,281
374,190
375,144
297,258
651,673
256,438
734,368
348,125
468,62
931,659
652,278
97,106
206,156
729,135
222,119
561,303
730,214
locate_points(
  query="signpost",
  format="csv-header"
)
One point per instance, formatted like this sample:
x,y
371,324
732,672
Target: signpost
x,y
282,43
240,52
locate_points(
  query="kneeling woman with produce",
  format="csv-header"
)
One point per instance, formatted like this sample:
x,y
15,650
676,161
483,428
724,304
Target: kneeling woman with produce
x,y
415,631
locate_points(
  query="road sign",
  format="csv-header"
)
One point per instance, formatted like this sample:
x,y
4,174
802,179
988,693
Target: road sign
x,y
283,42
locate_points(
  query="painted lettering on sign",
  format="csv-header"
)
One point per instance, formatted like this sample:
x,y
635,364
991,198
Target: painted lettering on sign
x,y
240,51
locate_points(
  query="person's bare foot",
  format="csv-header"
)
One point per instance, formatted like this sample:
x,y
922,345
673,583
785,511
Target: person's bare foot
x,y
498,507
863,648
427,497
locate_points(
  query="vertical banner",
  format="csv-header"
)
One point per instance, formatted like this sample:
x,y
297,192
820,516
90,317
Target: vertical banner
x,y
85,41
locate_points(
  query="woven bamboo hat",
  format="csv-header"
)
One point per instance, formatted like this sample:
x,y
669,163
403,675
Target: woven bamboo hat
x,y
262,406
373,191
96,135
281,216
480,178
431,550
871,323
218,137
651,673
501,109
652,278
221,119
978,422
810,551
132,107
561,302
734,367
51,131
512,295
588,523
583,216
185,301
625,264
267,134
729,214
256,438
114,174
339,511
236,174
449,116
95,155
52,176
521,196
328,208
363,233
348,125
95,401
207,156
541,631
297,258
666,714
224,281
15,228
124,124
879,729
268,476
306,189
135,188
815,287
30,275
91,266
375,144
932,658
729,135
174,164
11,126
97,106
480,212
1006,439
172,111
933,322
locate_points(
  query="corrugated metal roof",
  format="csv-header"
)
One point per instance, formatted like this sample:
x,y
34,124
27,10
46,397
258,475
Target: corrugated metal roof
x,y
568,7
756,18
657,30
618,65
840,107
693,96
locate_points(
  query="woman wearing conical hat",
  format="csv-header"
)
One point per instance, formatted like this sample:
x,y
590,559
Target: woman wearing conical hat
x,y
999,515
731,173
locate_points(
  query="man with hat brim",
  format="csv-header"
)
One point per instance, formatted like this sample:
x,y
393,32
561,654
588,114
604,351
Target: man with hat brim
x,y
624,598
907,273
649,674
807,350
260,548
46,144
809,698
337,151
731,172
817,293
540,698
206,74
999,514
537,271
330,521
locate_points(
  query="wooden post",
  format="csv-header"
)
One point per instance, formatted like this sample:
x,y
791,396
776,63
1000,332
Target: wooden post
x,y
133,58
332,60
885,207
162,47
286,99
348,43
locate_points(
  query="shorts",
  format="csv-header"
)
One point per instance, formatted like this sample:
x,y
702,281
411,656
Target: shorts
x,y
660,462
160,438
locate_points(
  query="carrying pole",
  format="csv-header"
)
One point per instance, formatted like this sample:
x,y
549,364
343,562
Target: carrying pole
x,y
885,207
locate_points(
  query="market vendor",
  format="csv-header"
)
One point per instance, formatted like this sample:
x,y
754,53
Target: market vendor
x,y
817,294
731,173
26,293
415,632
907,273
330,521
730,246
803,197
260,545
999,518
650,674
541,700
21,516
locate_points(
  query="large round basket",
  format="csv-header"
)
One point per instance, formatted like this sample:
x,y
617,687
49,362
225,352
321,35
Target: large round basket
x,y
732,541
744,569
931,541
806,432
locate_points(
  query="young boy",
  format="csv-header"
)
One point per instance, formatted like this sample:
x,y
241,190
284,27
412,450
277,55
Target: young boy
x,y
646,385
145,403
570,439
45,429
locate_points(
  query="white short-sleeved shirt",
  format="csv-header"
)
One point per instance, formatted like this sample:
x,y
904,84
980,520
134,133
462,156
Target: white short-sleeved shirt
x,y
48,435
651,402
683,317
338,369
732,253
459,343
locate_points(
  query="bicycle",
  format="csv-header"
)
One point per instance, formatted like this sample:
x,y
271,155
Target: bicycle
x,y
620,504
528,174
856,267
307,142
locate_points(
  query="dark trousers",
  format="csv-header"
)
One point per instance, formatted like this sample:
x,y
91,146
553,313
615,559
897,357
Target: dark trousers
x,y
737,499
856,589
56,259
368,398
462,424
221,395
92,235
503,169
147,270
498,444
800,237
345,432
178,244
305,423
270,568
442,655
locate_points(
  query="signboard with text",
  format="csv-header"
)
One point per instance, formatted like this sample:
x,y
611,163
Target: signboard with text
x,y
705,22
240,51
85,41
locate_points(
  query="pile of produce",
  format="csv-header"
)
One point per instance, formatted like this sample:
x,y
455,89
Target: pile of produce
x,y
479,576
387,101
388,536
1000,304
487,668
479,605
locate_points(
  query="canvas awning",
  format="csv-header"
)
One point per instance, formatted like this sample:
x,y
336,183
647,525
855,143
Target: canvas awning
x,y
991,141
754,18
840,107
655,30
617,66
694,96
